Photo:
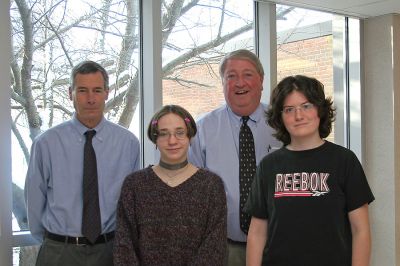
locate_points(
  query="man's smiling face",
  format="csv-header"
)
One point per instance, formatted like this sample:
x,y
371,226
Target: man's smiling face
x,y
242,86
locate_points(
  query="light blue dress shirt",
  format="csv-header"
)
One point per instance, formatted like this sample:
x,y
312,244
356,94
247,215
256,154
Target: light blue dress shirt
x,y
53,188
215,147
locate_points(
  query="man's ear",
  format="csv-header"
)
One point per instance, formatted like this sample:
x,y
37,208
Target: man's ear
x,y
107,91
70,93
262,81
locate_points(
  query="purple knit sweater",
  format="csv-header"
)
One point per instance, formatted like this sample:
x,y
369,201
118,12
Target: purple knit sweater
x,y
162,225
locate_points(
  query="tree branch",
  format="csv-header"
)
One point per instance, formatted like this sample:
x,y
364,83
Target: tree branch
x,y
204,47
61,42
21,141
183,82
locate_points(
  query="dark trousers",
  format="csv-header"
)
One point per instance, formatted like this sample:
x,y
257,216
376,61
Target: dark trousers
x,y
236,254
53,253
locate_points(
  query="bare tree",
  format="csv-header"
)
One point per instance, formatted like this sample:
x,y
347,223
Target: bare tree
x,y
48,38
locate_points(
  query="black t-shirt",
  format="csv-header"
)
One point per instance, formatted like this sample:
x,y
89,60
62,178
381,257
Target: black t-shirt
x,y
306,197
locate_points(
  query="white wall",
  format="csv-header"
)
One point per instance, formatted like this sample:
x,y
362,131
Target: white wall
x,y
381,99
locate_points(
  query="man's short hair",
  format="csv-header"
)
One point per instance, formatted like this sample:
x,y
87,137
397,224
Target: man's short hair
x,y
88,67
242,54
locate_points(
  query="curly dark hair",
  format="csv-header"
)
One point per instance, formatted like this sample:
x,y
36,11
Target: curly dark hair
x,y
313,90
152,129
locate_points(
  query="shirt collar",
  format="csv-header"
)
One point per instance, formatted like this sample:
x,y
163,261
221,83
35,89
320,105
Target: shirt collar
x,y
256,116
82,128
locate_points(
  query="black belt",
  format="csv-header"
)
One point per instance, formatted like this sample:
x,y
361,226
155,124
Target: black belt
x,y
80,240
233,242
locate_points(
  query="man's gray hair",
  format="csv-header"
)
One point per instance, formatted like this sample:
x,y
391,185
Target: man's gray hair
x,y
88,67
242,54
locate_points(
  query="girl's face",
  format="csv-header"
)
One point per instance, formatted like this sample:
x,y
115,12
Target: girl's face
x,y
172,139
300,118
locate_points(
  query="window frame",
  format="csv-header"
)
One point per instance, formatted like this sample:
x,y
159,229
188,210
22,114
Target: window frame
x,y
5,139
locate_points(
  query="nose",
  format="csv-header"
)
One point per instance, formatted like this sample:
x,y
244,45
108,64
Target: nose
x,y
298,113
91,99
172,138
239,82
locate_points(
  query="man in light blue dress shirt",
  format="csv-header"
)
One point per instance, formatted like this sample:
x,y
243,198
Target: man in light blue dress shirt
x,y
54,179
215,145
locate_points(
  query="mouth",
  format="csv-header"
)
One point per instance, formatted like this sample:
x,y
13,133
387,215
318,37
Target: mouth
x,y
173,150
300,125
241,92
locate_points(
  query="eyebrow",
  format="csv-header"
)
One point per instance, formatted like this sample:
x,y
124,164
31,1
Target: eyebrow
x,y
96,88
294,105
177,128
243,70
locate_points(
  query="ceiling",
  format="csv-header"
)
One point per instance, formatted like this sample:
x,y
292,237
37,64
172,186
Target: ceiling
x,y
356,8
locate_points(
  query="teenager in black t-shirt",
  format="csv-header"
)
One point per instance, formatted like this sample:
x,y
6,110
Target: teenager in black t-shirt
x,y
309,200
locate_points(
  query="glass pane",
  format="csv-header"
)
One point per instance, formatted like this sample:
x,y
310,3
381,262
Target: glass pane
x,y
304,46
193,44
48,38
25,256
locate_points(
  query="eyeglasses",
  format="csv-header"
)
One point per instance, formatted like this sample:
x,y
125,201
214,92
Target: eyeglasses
x,y
305,107
165,135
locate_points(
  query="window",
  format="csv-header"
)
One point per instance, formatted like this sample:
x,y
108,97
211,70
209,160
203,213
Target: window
x,y
193,44
48,39
305,46
313,43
